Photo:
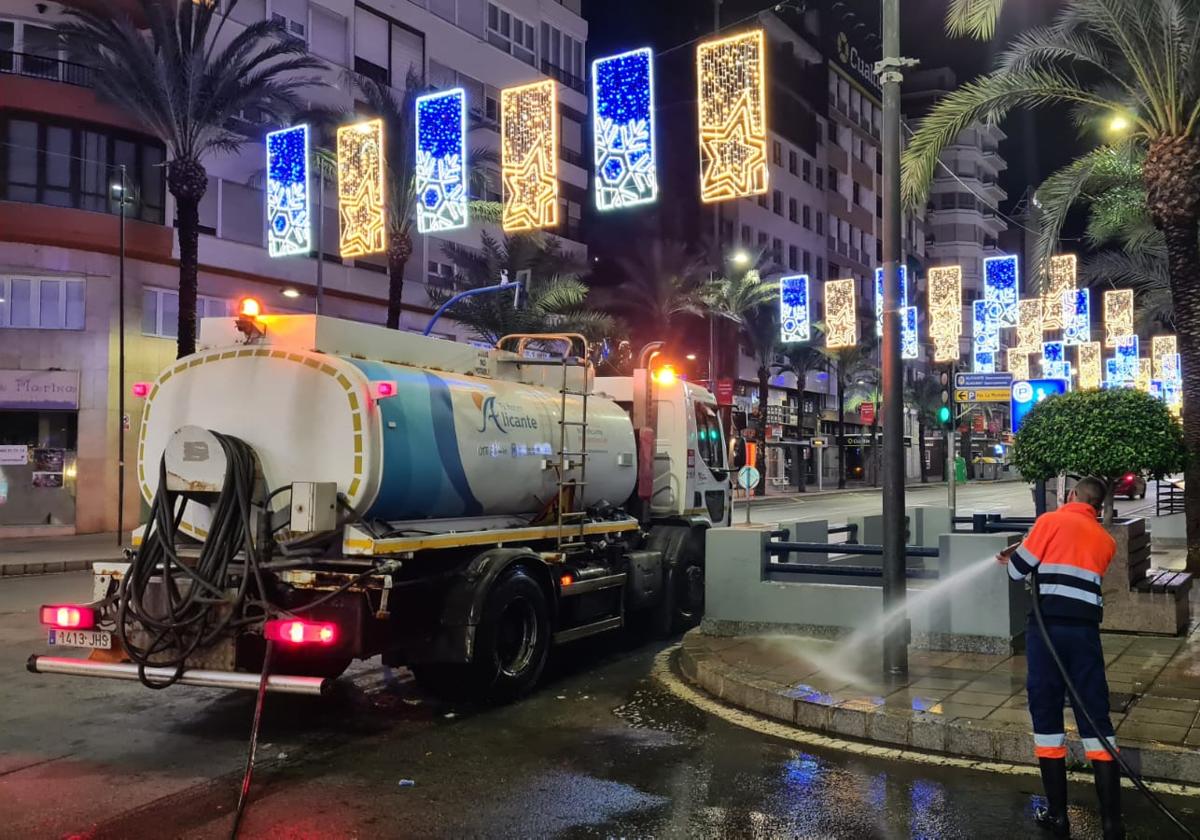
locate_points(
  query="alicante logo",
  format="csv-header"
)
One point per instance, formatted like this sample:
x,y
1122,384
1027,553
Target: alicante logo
x,y
501,415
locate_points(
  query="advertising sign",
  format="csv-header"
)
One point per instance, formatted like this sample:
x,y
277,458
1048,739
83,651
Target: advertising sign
x,y
1028,393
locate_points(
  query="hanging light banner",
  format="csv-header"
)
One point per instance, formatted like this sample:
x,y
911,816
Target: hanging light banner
x,y
1001,288
361,189
1145,373
1162,346
945,311
1060,280
1126,359
1054,361
1090,361
909,343
1172,371
985,362
441,170
987,329
1018,364
841,322
1029,327
794,321
623,129
1118,315
1077,317
902,297
731,76
529,155
288,228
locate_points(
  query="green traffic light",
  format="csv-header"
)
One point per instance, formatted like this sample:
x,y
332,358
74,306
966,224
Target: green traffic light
x,y
944,414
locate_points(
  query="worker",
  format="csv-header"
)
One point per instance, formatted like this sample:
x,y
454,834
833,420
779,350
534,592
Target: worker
x,y
1070,551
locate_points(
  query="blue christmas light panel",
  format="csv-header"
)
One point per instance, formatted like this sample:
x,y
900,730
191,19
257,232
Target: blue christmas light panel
x,y
288,229
1001,286
908,333
902,297
794,320
1077,317
441,171
1127,358
985,361
623,129
1054,360
986,327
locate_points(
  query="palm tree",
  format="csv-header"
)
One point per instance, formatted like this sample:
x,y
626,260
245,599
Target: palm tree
x,y
924,396
975,18
732,296
553,300
179,81
866,386
663,280
761,339
800,360
848,361
1103,57
397,109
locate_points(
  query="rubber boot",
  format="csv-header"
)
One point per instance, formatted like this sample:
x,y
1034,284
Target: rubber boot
x,y
1108,791
1053,817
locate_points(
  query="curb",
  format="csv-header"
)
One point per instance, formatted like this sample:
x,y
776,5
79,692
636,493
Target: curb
x,y
900,729
45,567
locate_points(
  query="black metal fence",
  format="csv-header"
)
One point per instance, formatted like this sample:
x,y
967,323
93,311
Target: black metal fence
x,y
44,67
1169,498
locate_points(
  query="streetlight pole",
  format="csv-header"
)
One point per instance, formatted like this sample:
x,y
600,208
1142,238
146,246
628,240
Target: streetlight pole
x,y
320,232
122,190
717,248
890,69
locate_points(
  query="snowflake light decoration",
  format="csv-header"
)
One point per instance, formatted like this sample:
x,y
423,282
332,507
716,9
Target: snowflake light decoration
x,y
441,166
1001,286
794,320
909,343
1077,317
901,298
623,129
1054,361
288,226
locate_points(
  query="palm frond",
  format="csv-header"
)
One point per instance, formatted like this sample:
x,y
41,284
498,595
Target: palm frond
x,y
973,18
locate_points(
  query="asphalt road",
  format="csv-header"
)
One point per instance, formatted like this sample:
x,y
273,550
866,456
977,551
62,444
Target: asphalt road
x,y
600,751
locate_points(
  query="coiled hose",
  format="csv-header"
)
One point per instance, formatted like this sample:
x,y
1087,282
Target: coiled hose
x,y
1080,708
195,602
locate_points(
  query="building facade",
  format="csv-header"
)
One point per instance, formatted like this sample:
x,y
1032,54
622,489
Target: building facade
x,y
62,149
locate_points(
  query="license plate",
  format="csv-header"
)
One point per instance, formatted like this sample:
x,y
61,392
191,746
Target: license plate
x,y
81,638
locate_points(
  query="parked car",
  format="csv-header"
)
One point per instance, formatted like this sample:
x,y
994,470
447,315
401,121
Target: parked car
x,y
1131,486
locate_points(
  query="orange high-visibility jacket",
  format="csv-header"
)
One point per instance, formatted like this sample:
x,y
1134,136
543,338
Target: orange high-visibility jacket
x,y
1071,551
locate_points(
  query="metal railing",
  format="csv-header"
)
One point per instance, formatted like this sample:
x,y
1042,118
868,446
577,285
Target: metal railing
x,y
45,67
1169,498
774,549
562,76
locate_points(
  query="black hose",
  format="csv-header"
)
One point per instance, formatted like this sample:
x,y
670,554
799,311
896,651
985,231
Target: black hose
x,y
1079,706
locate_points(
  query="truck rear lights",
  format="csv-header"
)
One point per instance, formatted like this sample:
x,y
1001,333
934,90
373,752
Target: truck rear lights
x,y
296,631
68,616
381,389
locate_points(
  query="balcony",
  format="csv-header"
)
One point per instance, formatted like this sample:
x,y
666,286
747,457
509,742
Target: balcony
x,y
563,77
43,67
572,157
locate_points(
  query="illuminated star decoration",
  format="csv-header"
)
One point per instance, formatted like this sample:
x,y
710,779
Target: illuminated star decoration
x,y
529,155
1077,317
1061,279
623,129
1001,285
361,188
987,335
945,311
909,345
288,230
841,322
733,116
901,299
1029,328
1162,346
794,320
1018,363
1118,315
1144,374
1054,361
441,167
1090,356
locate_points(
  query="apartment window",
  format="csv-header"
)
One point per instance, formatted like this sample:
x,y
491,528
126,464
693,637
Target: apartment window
x,y
832,131
820,178
793,162
807,262
776,153
69,164
792,211
762,240
857,193
747,235
561,51
328,36
510,33
821,269
41,303
807,217
777,249
762,201
820,222
806,170
293,14
440,274
833,179
160,310
793,258
777,203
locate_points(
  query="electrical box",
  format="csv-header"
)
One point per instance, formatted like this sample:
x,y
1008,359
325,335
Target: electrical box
x,y
314,506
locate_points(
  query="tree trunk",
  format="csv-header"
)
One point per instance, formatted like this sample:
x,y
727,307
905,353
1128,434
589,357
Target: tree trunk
x,y
802,479
1172,177
1108,503
841,441
921,448
764,378
187,180
400,251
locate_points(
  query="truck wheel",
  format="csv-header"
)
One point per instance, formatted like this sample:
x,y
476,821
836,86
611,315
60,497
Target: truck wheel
x,y
682,604
513,638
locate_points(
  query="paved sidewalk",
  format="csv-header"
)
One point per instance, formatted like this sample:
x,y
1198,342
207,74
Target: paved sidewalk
x,y
971,705
45,555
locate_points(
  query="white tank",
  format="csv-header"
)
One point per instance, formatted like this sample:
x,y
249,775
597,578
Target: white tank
x,y
446,445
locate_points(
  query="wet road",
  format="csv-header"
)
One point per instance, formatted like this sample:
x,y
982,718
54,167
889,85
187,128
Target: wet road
x,y
601,751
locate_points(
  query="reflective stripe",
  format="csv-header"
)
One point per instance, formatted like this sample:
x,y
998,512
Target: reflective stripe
x,y
1075,592
1065,569
1014,572
1050,752
1053,740
1025,560
1091,745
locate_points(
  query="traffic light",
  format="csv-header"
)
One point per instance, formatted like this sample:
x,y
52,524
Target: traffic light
x,y
945,413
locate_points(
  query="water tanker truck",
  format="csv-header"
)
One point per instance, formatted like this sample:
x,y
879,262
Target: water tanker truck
x,y
321,490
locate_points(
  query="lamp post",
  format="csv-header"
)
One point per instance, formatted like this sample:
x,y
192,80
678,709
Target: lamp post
x,y
120,189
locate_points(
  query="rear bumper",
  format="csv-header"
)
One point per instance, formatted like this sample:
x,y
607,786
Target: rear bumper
x,y
276,683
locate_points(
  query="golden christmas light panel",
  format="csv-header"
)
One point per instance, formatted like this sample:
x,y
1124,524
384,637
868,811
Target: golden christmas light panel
x,y
1060,278
841,321
731,76
1090,364
529,156
1029,327
1118,315
1018,363
361,189
945,311
1162,346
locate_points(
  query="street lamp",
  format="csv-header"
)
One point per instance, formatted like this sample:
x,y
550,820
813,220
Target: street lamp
x,y
739,257
1118,124
120,192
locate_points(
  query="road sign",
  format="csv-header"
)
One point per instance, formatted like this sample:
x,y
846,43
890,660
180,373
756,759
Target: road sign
x,y
866,412
978,395
1028,393
748,477
982,381
724,392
